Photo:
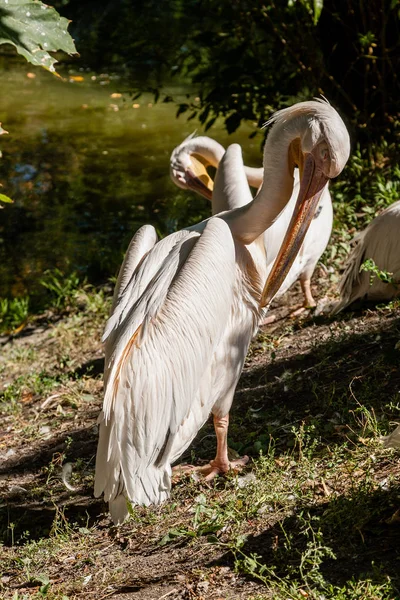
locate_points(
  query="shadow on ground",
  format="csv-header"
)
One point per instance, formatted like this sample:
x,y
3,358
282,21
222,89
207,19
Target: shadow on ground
x,y
35,494
362,531
340,386
322,385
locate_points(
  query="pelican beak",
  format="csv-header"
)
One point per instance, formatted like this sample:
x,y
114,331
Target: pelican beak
x,y
202,184
313,182
198,179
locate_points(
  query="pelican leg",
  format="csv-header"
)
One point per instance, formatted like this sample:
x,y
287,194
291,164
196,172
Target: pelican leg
x,y
221,463
305,283
309,302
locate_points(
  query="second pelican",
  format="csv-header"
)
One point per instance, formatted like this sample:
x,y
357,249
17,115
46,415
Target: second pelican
x,y
188,168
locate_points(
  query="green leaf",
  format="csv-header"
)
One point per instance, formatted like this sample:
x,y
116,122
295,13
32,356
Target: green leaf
x,y
173,534
182,108
35,29
233,122
84,530
41,578
318,6
44,589
5,199
210,123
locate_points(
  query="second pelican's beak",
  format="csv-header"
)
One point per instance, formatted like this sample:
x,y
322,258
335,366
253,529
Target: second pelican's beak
x,y
198,179
312,185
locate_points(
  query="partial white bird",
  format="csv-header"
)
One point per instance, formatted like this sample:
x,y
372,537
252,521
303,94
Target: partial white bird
x,y
188,169
393,439
185,309
380,241
189,162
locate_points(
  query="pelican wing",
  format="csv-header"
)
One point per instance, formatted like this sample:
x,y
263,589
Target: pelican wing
x,y
380,241
162,345
143,241
133,281
393,439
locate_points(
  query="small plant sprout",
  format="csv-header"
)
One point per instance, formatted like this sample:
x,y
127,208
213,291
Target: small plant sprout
x,y
371,267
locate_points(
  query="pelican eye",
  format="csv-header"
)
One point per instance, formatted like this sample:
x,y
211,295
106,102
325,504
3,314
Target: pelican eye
x,y
324,152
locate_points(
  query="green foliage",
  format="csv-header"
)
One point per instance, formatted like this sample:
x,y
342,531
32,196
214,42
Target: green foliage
x,y
369,184
247,58
302,559
5,199
63,288
314,7
64,293
370,266
13,312
304,570
35,29
208,520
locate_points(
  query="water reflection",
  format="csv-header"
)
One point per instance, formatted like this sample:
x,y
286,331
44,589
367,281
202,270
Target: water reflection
x,y
86,166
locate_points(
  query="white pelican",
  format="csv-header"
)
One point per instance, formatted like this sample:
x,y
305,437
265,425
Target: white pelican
x,y
185,309
380,241
188,170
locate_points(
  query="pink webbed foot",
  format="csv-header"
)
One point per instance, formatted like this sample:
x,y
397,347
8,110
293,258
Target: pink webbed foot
x,y
218,468
268,320
297,312
211,470
221,463
308,305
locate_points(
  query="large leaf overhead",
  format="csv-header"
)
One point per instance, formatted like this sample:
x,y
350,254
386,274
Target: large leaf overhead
x,y
35,29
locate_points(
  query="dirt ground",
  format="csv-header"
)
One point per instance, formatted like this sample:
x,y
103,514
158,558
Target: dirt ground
x,y
311,386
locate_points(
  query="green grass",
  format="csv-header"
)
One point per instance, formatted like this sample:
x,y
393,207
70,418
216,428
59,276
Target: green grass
x,y
13,312
62,294
313,516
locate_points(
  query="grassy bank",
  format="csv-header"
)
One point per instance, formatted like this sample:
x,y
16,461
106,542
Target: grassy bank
x,y
315,514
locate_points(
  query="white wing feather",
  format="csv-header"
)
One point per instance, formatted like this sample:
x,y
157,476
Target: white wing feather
x,y
144,240
393,439
380,241
140,279
159,367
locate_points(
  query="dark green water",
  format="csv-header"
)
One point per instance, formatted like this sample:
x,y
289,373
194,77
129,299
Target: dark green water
x,y
85,171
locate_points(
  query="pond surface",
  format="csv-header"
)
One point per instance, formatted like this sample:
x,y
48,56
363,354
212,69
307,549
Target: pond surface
x,y
85,170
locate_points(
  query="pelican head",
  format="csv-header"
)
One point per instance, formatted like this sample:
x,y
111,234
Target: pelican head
x,y
319,145
188,170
